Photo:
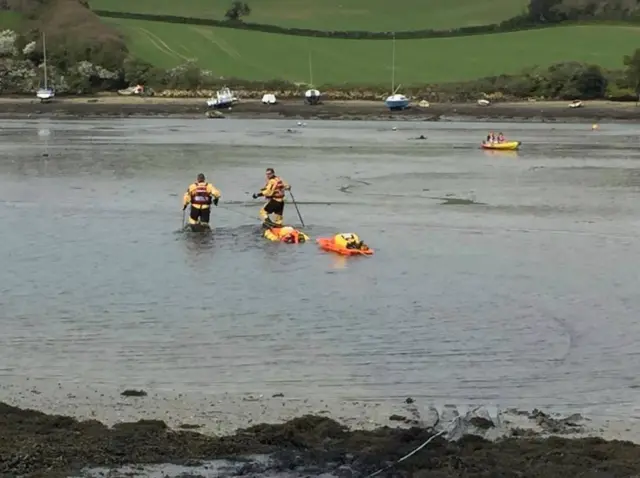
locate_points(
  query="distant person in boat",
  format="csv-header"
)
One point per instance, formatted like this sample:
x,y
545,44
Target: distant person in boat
x,y
500,137
200,195
273,192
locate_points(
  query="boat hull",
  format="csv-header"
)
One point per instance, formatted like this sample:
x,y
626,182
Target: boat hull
x,y
312,97
312,100
506,146
45,95
397,105
220,105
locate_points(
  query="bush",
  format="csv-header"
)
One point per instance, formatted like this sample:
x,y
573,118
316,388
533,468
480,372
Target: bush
x,y
617,93
139,72
237,10
74,33
514,24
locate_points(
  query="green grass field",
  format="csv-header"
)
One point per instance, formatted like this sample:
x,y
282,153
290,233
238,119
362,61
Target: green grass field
x,y
264,56
369,15
10,21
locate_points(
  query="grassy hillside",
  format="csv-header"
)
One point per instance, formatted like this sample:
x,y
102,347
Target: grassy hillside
x,y
370,15
76,34
264,56
11,21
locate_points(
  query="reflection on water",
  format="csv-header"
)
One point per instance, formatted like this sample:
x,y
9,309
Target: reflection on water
x,y
339,262
497,277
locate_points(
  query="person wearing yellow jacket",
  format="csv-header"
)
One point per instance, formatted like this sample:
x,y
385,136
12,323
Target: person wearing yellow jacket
x,y
348,240
200,195
273,192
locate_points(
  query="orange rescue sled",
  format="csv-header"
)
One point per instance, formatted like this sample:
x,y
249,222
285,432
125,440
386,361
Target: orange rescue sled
x,y
347,244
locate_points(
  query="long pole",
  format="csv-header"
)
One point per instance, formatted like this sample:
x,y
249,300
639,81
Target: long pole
x,y
293,199
393,66
310,68
44,51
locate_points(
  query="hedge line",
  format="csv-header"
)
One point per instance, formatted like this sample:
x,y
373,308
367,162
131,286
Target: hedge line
x,y
511,25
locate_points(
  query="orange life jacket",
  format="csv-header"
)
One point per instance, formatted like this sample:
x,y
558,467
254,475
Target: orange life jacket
x,y
292,238
278,190
287,234
200,196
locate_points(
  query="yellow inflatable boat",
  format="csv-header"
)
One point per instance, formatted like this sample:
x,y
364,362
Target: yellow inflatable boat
x,y
504,146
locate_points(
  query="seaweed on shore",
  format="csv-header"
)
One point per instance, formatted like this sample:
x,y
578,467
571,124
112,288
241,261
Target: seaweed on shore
x,y
34,444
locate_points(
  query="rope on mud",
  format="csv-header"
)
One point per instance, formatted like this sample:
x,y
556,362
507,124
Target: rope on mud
x,y
451,426
226,208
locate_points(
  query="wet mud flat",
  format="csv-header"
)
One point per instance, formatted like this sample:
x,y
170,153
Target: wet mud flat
x,y
104,107
35,444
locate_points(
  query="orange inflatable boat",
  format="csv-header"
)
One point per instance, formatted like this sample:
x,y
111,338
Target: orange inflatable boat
x,y
347,244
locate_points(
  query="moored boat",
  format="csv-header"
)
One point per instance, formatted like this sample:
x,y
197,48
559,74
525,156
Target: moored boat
x,y
501,146
397,102
45,94
224,98
312,96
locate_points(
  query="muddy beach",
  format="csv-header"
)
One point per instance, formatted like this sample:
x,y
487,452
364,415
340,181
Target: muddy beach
x,y
34,444
118,106
498,279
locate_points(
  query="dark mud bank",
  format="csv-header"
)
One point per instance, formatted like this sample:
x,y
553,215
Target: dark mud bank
x,y
96,108
34,444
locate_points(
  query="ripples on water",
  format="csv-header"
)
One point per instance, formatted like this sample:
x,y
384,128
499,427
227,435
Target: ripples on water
x,y
529,298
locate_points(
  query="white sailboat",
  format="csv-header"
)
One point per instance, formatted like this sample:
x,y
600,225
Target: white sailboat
x,y
395,101
225,98
45,94
311,96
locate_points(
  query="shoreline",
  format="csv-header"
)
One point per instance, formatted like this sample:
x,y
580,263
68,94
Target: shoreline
x,y
58,430
223,414
122,106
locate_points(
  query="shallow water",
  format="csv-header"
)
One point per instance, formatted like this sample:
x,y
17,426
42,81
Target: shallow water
x,y
525,294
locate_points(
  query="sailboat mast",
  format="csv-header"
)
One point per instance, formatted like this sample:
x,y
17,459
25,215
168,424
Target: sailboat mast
x,y
310,69
393,66
44,51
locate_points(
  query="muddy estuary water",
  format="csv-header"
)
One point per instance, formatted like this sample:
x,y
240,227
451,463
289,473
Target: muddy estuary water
x,y
506,279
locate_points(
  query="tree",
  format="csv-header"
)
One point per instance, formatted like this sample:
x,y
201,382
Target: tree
x,y
591,83
545,11
574,80
238,10
632,71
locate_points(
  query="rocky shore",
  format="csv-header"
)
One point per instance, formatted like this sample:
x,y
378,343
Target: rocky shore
x,y
66,432
120,106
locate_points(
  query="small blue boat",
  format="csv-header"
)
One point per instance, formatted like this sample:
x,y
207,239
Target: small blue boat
x,y
397,102
312,97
